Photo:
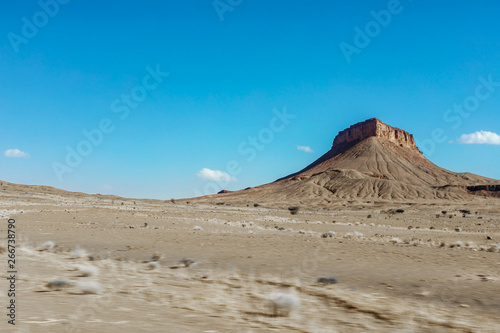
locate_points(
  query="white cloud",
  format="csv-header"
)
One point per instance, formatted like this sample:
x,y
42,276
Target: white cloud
x,y
307,149
480,137
15,153
215,175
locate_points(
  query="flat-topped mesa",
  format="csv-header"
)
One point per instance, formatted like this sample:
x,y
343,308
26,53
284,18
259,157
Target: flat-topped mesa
x,y
374,128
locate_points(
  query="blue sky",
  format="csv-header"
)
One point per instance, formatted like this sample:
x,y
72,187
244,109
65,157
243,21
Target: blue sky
x,y
183,98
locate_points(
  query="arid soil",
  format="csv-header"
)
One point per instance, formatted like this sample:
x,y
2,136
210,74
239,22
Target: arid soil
x,y
410,271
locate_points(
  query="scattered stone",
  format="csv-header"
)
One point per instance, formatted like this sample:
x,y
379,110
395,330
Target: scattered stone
x,y
328,280
58,284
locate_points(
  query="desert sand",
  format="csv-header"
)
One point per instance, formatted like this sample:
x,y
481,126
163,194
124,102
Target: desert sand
x,y
395,273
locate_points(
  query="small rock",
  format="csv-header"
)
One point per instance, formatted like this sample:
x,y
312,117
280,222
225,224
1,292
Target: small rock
x,y
328,280
58,284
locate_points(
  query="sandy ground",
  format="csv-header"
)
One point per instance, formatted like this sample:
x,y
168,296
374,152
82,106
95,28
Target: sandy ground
x,y
401,272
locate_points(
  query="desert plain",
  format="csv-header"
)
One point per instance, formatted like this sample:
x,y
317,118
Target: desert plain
x,y
91,263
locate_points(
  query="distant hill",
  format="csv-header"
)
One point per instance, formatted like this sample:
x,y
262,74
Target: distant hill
x,y
369,161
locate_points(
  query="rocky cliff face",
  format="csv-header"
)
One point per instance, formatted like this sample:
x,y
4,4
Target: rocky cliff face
x,y
374,128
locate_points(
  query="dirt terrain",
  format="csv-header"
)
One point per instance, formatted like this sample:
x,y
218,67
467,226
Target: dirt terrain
x,y
410,271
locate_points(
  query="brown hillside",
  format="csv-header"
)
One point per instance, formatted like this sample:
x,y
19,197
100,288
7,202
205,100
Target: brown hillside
x,y
369,160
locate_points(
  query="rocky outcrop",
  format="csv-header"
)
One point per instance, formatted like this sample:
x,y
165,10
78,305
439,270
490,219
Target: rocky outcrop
x,y
374,128
490,188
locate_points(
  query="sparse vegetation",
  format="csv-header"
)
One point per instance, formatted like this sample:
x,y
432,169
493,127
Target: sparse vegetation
x,y
186,262
294,210
49,245
87,270
282,304
153,265
89,287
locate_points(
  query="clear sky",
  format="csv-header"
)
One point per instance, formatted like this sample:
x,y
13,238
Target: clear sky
x,y
162,99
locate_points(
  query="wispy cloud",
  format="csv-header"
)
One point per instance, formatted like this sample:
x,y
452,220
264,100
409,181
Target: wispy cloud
x,y
16,153
215,175
307,149
480,137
